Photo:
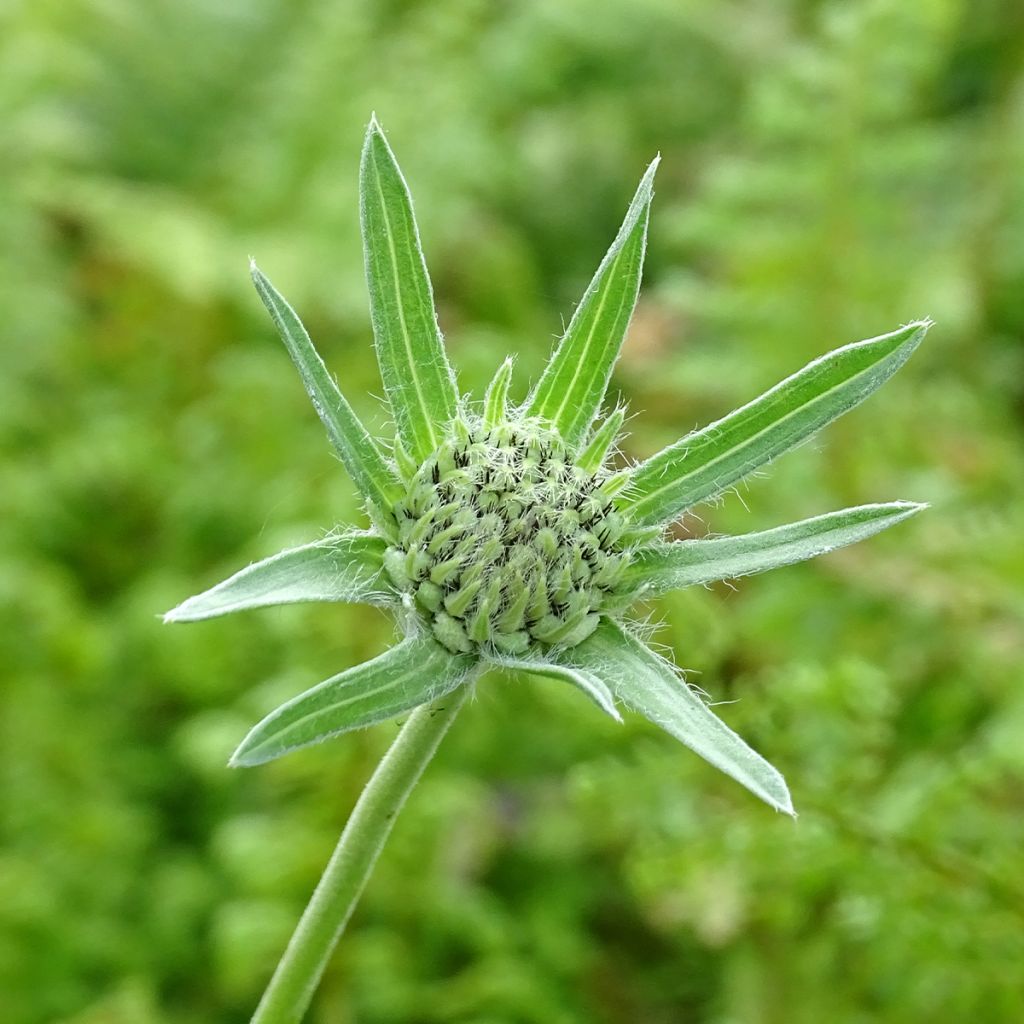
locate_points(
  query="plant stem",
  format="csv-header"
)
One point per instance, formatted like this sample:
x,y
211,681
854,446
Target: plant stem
x,y
291,989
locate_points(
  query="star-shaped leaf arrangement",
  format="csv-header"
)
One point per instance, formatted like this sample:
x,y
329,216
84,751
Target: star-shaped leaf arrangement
x,y
501,535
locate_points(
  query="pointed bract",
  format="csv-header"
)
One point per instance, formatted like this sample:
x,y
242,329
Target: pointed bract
x,y
595,688
650,685
705,463
418,379
662,567
344,568
361,457
417,671
496,396
592,457
572,387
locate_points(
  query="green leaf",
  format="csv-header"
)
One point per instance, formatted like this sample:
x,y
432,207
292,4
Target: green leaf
x,y
417,376
572,387
345,568
362,458
663,567
496,397
417,671
650,685
704,463
594,687
592,457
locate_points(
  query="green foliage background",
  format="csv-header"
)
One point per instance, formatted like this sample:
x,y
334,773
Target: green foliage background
x,y
831,170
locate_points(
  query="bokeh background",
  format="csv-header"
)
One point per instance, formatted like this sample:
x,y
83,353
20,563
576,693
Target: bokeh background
x,y
831,169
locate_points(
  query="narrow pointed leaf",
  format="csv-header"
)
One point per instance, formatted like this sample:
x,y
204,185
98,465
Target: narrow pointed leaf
x,y
345,568
415,672
417,376
496,398
647,683
663,567
572,387
594,687
592,457
360,455
704,463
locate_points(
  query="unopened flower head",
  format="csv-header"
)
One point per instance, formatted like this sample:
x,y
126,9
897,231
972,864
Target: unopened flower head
x,y
501,534
504,544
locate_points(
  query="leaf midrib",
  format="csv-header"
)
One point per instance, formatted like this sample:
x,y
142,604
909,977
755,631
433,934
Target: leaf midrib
x,y
648,498
868,520
401,311
393,682
605,289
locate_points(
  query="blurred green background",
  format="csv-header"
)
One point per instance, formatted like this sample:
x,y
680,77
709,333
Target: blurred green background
x,y
830,171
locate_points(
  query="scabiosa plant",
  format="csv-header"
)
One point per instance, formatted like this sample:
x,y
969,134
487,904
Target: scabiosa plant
x,y
501,535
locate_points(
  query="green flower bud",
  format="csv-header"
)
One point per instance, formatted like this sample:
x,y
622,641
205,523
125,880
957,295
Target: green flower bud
x,y
504,544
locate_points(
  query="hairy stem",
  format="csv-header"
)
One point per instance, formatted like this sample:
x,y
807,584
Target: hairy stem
x,y
291,989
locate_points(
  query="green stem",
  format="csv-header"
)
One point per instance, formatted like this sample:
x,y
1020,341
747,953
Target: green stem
x,y
291,989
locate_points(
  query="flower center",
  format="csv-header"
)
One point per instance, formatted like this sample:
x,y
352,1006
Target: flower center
x,y
504,544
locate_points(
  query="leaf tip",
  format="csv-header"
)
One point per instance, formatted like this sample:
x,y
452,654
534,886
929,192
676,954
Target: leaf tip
x,y
775,793
247,755
375,148
258,277
913,507
374,129
784,805
903,339
916,330
905,509
180,612
646,190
